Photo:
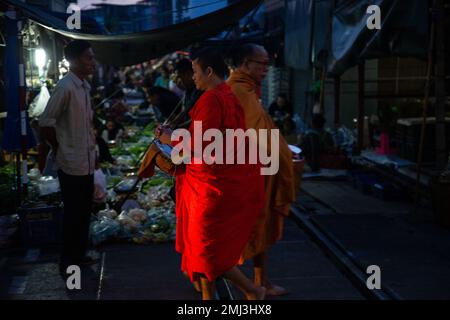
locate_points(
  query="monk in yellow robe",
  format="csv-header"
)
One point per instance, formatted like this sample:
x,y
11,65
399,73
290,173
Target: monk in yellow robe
x,y
280,189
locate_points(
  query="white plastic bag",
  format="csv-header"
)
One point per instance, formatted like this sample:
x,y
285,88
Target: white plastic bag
x,y
48,185
51,168
107,213
39,103
100,191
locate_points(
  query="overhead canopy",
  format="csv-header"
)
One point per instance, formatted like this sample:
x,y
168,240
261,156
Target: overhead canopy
x,y
404,32
134,48
298,34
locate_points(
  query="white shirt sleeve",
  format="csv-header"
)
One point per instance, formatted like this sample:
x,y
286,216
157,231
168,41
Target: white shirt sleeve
x,y
56,106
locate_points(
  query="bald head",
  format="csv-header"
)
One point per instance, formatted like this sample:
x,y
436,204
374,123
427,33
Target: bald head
x,y
249,51
254,60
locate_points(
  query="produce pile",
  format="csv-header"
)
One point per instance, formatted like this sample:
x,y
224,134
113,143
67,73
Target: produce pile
x,y
147,217
149,214
7,189
134,145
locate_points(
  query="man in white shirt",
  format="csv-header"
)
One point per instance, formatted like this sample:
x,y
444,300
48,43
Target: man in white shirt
x,y
67,125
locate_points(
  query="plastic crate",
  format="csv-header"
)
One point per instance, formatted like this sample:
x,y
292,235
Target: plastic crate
x,y
41,226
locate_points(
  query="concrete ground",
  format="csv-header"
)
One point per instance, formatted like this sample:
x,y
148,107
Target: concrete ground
x,y
151,272
412,251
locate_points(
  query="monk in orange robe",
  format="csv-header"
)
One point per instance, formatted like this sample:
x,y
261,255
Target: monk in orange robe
x,y
217,205
280,189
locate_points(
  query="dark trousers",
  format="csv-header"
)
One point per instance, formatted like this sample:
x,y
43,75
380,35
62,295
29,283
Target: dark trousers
x,y
77,193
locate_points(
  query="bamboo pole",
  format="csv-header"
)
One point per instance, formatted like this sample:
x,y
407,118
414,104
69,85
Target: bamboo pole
x,y
425,108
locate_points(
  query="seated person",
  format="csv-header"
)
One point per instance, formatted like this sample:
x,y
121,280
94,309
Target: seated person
x,y
119,107
164,79
281,113
113,131
281,107
317,143
103,154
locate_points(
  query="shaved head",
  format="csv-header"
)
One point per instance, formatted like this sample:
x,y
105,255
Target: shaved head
x,y
249,51
253,60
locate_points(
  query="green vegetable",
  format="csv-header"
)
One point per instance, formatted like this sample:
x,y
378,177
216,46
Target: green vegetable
x,y
156,182
160,237
163,224
7,189
117,151
112,181
155,228
137,150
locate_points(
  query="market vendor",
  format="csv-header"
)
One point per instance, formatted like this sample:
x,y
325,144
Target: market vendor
x,y
103,154
183,78
164,78
317,144
119,108
217,205
67,125
113,131
281,112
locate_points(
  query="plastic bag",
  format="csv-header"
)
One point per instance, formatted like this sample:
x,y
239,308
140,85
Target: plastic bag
x,y
48,185
127,222
37,106
138,215
51,168
100,191
103,230
344,138
107,213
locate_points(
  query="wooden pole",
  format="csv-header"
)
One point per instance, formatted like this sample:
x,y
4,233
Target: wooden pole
x,y
337,100
325,60
425,108
361,92
322,89
441,150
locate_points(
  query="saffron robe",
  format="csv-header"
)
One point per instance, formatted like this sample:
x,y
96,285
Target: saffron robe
x,y
217,205
280,189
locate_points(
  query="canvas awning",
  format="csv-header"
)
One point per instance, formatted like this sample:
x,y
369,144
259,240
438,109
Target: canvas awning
x,y
134,48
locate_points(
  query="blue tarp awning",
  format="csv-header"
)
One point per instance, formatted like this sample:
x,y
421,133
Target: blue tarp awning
x,y
134,48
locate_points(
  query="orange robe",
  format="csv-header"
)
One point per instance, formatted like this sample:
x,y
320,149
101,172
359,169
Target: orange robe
x,y
280,189
216,205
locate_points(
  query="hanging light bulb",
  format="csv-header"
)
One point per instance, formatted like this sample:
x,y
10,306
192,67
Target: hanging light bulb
x,y
40,58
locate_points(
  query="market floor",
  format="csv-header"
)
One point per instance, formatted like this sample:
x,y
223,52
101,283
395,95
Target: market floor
x,y
411,250
151,272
